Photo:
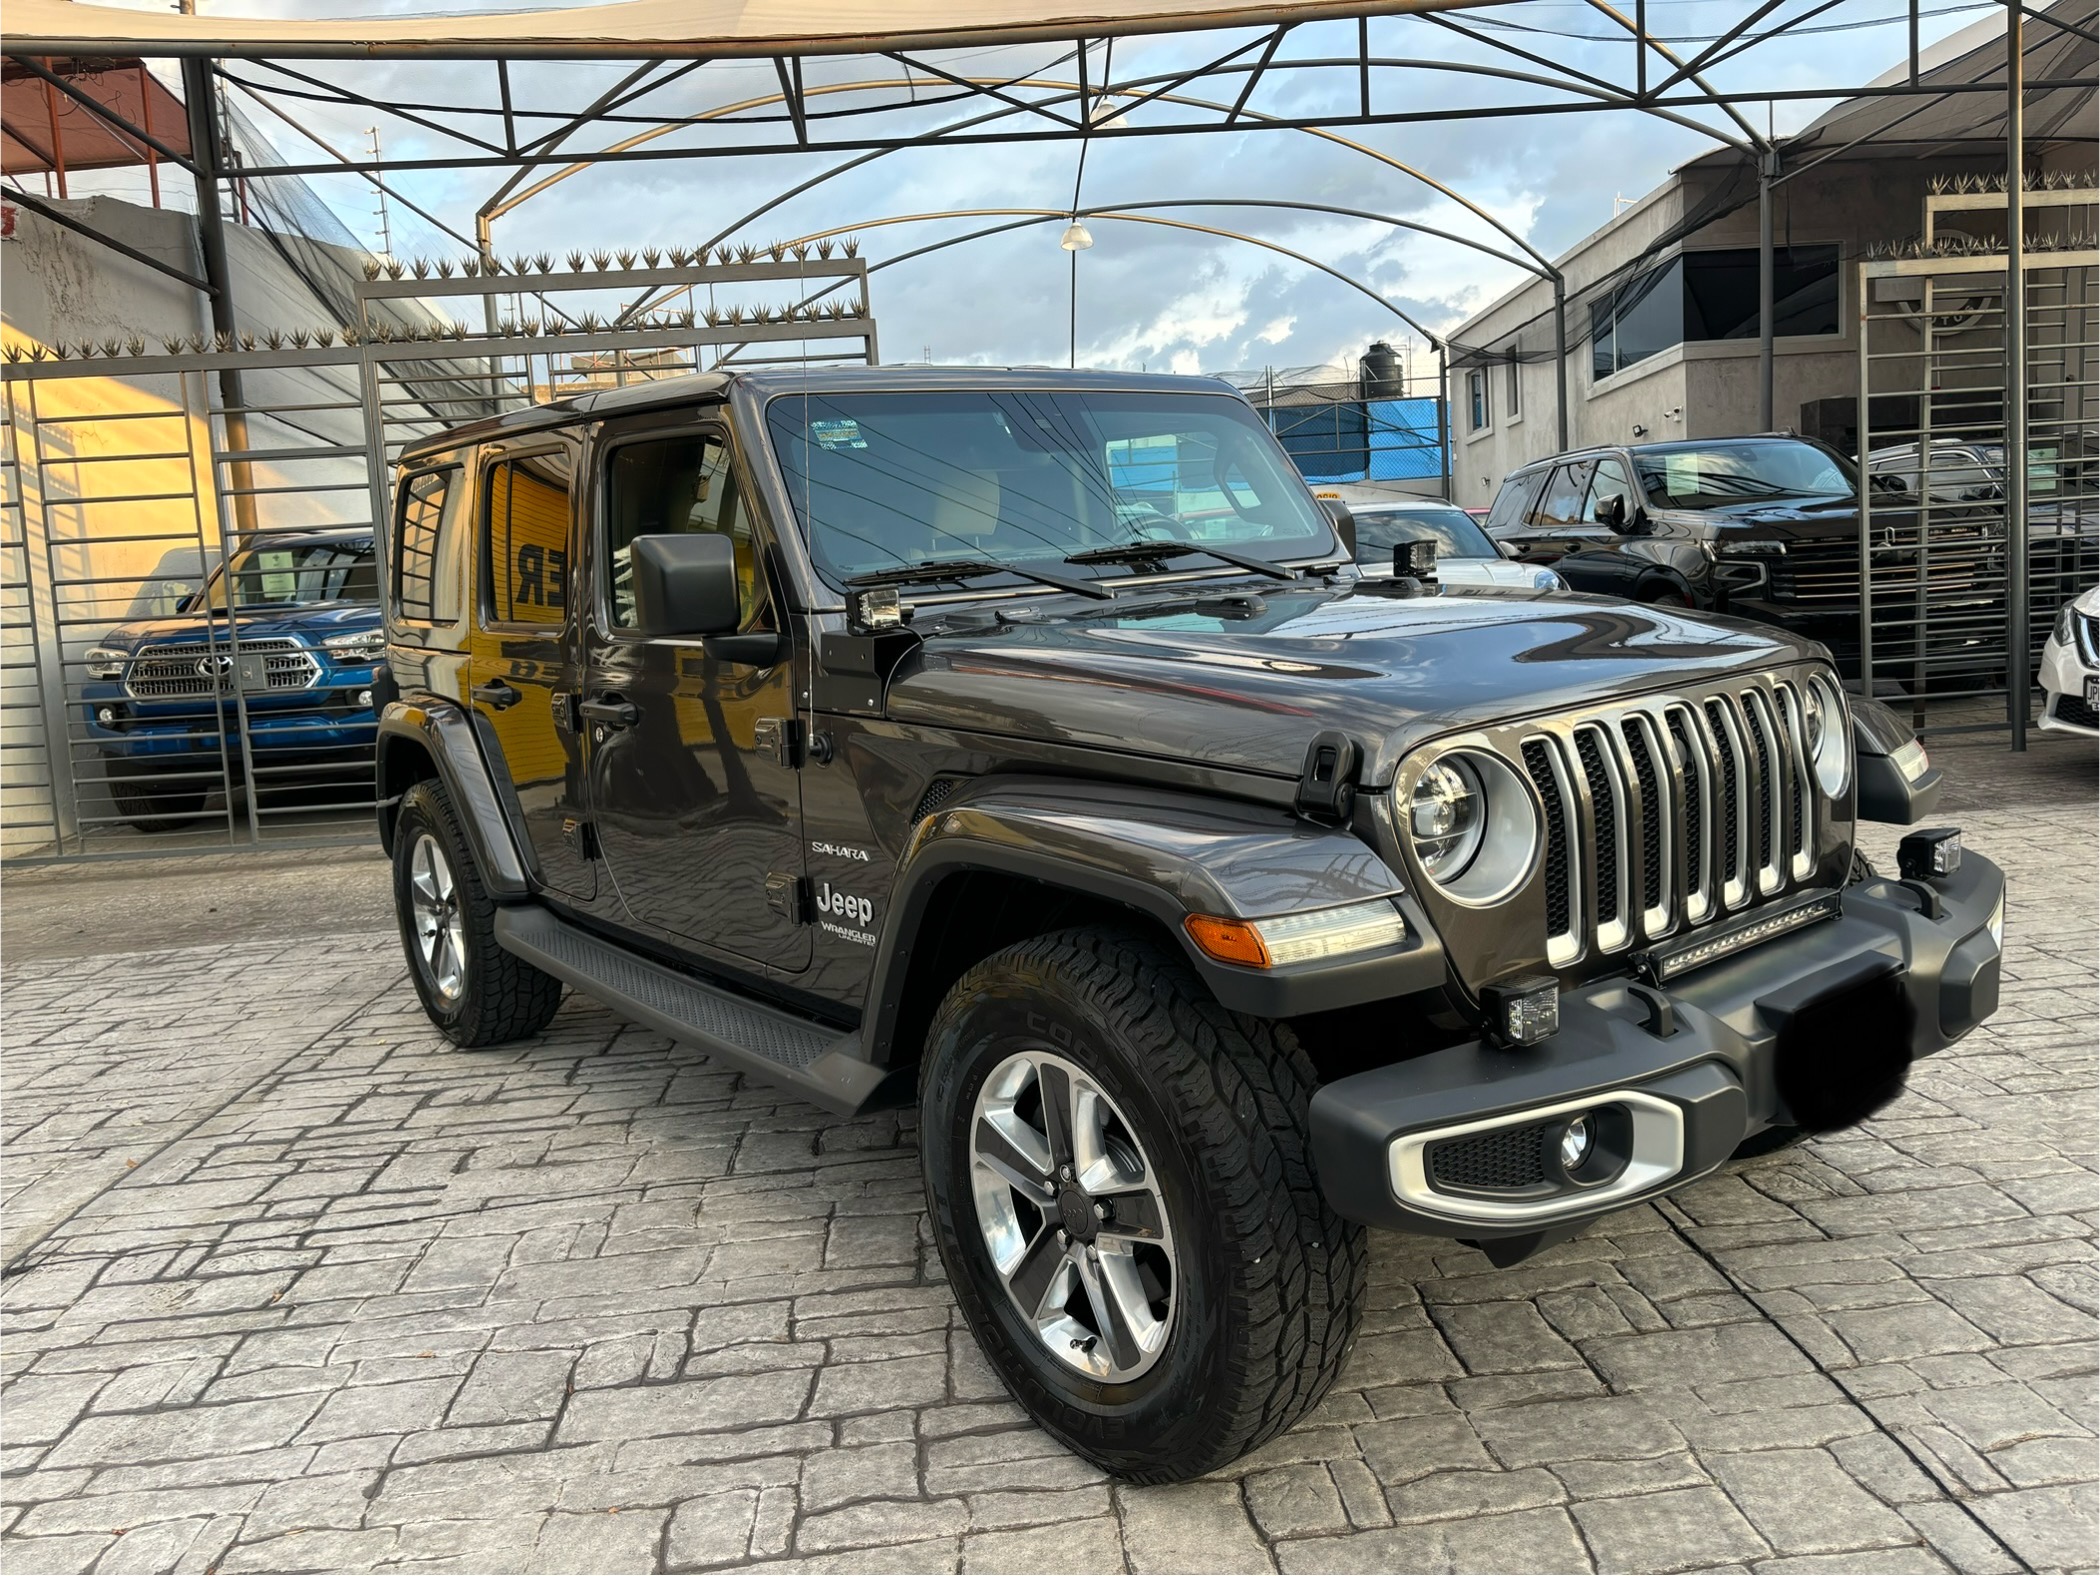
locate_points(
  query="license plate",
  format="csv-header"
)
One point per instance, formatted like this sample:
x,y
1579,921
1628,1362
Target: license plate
x,y
254,672
2092,691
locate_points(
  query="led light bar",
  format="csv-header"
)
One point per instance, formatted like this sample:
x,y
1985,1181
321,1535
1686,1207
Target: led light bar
x,y
1285,939
1658,965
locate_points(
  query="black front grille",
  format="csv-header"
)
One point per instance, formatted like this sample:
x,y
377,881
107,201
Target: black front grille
x,y
1763,822
1694,827
1651,814
1731,771
2071,709
1509,1159
1606,814
1559,918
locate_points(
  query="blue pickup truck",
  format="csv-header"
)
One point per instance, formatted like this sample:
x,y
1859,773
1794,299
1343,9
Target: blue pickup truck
x,y
164,697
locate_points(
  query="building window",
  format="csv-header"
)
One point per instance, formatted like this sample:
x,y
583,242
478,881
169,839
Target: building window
x,y
1516,388
1478,400
1710,296
1720,292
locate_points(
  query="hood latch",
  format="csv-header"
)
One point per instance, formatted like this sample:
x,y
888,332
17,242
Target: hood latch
x,y
1327,785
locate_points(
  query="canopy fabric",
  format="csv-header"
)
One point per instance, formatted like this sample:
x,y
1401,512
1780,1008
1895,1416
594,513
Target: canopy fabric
x,y
42,129
637,28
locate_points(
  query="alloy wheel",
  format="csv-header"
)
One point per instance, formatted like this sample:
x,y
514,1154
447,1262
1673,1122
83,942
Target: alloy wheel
x,y
440,923
1073,1218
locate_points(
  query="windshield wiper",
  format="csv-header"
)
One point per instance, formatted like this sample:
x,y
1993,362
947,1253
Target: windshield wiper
x,y
1160,552
934,570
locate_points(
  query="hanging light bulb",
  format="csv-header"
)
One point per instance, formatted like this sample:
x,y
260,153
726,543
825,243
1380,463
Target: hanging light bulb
x,y
1077,237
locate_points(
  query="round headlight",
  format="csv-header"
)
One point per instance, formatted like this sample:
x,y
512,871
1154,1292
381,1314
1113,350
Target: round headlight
x,y
1448,815
1474,826
1829,738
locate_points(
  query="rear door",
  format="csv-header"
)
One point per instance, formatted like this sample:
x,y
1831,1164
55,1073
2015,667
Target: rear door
x,y
699,819
525,650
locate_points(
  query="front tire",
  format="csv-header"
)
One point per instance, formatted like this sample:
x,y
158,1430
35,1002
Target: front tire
x,y
473,990
1120,1180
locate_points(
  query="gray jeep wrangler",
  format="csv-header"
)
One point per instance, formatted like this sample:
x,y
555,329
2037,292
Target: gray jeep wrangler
x,y
1028,745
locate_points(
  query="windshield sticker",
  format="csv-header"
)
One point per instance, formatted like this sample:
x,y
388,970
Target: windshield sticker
x,y
838,434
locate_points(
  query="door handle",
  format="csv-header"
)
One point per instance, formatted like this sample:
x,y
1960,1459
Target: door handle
x,y
612,711
496,695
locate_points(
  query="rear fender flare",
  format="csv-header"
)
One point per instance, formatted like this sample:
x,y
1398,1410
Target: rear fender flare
x,y
443,731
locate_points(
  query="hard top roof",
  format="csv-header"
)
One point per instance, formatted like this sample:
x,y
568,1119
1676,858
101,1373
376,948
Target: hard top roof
x,y
700,388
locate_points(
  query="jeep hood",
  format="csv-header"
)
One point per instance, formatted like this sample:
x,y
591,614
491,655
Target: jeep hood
x,y
1243,682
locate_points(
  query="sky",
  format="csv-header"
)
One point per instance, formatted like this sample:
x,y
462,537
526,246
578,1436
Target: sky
x,y
1146,295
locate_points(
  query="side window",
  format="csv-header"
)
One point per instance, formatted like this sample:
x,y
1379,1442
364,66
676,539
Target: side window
x,y
1562,504
1508,510
525,539
426,569
1480,411
1611,482
661,486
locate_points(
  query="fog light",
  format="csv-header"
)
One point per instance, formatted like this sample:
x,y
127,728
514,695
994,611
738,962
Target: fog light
x,y
106,715
1927,854
364,697
1523,1011
1575,1142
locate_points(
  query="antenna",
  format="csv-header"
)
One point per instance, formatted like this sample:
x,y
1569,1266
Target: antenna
x,y
386,234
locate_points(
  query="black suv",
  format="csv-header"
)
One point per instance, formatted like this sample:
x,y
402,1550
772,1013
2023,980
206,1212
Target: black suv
x,y
1026,744
1762,527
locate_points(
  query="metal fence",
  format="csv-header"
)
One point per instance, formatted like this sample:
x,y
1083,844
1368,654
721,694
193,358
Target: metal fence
x,y
130,476
1939,565
1335,434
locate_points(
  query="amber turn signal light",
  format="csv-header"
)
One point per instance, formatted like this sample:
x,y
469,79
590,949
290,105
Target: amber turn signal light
x,y
1228,940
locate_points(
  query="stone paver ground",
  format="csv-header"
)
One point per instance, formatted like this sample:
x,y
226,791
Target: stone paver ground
x,y
293,1286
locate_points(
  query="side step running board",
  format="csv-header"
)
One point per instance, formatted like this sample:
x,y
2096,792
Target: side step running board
x,y
816,1062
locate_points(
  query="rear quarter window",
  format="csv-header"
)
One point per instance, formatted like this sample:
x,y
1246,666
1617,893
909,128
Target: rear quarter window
x,y
426,579
1507,512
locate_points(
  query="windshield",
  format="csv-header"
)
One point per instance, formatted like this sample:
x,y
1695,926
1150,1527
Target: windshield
x,y
1379,531
296,575
883,481
1697,477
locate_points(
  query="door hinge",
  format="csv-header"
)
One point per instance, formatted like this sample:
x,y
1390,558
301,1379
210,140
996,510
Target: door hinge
x,y
779,740
790,895
580,836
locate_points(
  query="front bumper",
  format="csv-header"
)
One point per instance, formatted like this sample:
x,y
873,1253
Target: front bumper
x,y
322,722
2063,679
1686,1092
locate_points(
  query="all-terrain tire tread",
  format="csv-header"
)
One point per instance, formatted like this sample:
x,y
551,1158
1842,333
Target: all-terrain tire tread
x,y
1243,1088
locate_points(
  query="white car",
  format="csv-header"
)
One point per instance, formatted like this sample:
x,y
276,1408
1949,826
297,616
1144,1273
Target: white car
x,y
1464,555
2071,668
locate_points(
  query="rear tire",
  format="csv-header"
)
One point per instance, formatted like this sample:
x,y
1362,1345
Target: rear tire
x,y
1222,1293
146,799
474,991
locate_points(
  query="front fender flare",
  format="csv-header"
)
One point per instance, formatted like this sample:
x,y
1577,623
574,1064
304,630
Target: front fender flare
x,y
442,730
1167,855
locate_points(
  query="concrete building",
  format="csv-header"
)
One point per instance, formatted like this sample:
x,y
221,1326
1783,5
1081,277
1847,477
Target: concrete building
x,y
1662,320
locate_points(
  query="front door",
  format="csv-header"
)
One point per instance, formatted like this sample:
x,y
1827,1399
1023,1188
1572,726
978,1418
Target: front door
x,y
526,651
701,829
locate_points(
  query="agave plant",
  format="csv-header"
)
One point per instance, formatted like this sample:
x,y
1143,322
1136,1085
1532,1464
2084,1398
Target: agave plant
x,y
394,269
601,260
444,268
851,246
736,316
826,247
372,268
273,339
747,253
172,344
546,262
802,251
420,268
651,257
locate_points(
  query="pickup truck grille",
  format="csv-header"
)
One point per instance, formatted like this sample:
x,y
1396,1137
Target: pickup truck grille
x,y
195,671
1961,565
1666,814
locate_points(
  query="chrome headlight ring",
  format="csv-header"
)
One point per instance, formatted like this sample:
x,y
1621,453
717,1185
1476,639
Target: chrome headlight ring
x,y
1828,728
1472,826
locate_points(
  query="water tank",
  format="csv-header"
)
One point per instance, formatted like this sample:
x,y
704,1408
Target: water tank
x,y
1381,374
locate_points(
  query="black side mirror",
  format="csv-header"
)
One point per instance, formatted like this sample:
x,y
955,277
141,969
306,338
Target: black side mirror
x,y
1344,523
685,585
1888,482
1612,512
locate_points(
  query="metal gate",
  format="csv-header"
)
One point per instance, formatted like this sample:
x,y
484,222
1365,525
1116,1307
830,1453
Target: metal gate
x,y
1940,566
141,486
